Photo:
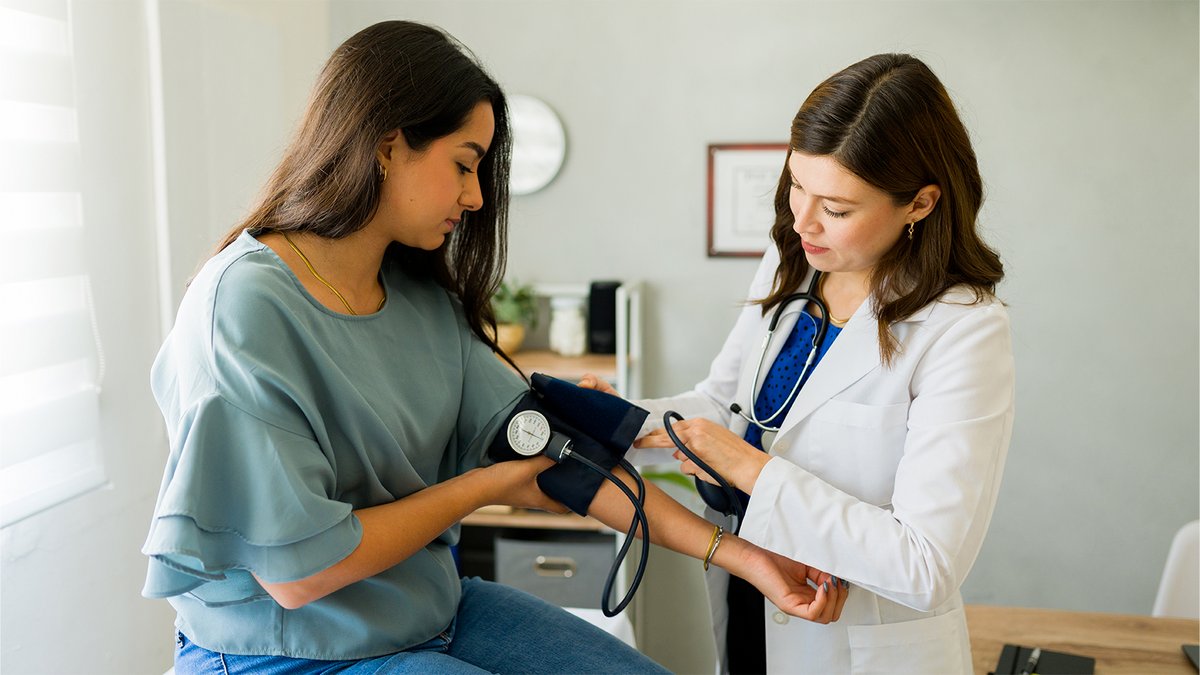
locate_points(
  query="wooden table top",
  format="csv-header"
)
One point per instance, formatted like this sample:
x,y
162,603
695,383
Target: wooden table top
x,y
503,516
1120,643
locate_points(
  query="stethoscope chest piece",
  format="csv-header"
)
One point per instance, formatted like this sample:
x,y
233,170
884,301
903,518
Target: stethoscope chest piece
x,y
768,440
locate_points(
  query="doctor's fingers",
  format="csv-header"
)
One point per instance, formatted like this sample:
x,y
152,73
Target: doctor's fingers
x,y
841,589
832,593
836,595
838,590
590,381
660,439
687,431
843,595
688,468
655,439
835,599
709,439
816,608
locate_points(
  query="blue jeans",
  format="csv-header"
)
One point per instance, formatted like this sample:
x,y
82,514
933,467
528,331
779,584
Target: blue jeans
x,y
498,629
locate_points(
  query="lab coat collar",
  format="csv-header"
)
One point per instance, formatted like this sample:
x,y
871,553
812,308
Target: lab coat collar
x,y
853,354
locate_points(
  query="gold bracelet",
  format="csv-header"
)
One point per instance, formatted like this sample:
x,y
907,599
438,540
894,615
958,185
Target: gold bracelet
x,y
713,543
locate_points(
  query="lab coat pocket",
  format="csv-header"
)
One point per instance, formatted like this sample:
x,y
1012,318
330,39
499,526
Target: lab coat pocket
x,y
857,447
933,645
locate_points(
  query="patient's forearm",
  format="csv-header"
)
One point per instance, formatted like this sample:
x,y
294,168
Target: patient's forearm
x,y
672,525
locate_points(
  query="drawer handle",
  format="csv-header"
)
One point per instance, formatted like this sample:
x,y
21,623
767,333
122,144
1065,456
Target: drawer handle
x,y
554,566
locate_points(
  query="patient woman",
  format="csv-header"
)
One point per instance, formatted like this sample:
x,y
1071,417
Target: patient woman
x,y
329,390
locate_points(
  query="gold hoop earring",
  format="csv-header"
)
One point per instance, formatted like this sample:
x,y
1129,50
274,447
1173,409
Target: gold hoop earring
x,y
910,229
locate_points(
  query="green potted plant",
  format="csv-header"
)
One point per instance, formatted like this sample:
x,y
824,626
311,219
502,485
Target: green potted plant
x,y
515,306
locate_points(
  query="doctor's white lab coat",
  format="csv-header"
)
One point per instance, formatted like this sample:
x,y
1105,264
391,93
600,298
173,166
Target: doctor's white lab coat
x,y
884,476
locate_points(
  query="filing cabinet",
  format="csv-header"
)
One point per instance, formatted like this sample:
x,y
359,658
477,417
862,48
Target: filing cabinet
x,y
567,569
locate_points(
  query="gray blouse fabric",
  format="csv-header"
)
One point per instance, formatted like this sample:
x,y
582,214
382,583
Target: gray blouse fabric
x,y
283,417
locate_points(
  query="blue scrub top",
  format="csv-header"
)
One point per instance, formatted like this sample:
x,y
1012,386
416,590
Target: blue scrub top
x,y
785,371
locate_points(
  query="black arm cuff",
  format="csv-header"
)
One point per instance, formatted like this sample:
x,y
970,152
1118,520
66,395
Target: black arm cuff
x,y
573,483
601,427
611,420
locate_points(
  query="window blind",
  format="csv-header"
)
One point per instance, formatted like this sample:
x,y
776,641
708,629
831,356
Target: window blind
x,y
51,364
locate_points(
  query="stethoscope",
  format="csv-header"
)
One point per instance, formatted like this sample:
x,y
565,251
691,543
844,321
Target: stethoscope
x,y
723,497
811,295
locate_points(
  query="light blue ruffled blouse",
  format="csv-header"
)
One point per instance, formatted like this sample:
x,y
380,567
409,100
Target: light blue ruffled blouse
x,y
283,417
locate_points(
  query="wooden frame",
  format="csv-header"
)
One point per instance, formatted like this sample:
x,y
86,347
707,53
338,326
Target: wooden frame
x,y
742,179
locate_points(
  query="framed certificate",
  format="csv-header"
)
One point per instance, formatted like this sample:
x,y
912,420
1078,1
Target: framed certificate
x,y
742,179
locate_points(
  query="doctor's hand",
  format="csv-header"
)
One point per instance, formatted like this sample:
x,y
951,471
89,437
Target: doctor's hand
x,y
514,483
795,588
590,381
735,459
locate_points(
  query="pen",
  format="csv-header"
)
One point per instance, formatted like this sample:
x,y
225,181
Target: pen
x,y
1032,662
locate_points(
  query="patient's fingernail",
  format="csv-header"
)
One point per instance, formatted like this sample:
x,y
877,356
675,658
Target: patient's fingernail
x,y
825,586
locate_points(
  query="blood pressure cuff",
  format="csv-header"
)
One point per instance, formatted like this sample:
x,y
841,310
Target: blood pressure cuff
x,y
611,420
601,427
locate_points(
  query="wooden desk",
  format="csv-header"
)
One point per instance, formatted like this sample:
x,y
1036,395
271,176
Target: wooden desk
x,y
1120,643
503,516
567,367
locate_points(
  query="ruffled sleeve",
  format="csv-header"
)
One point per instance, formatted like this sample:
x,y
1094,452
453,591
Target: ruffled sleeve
x,y
242,495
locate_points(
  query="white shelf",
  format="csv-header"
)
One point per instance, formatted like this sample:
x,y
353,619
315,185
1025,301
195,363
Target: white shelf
x,y
623,369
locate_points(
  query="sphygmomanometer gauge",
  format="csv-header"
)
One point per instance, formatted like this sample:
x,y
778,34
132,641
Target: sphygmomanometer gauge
x,y
528,433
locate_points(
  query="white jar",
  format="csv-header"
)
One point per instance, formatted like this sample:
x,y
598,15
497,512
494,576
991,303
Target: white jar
x,y
568,332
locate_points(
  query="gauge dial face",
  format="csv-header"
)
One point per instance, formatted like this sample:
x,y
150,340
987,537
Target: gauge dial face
x,y
528,432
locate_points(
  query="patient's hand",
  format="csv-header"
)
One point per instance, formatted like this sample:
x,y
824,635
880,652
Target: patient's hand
x,y
515,484
590,381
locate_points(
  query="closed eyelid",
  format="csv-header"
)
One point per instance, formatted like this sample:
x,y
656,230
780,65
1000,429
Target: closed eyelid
x,y
840,200
478,149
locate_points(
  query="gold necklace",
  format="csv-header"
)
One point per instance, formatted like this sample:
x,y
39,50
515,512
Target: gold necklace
x,y
832,319
321,279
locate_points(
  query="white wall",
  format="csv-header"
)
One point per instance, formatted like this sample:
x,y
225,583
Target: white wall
x,y
72,575
235,77
1084,116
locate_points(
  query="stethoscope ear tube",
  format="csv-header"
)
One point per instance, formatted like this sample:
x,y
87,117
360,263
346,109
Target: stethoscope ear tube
x,y
707,490
812,295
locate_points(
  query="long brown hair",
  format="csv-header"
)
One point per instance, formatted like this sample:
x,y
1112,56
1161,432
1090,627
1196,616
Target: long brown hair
x,y
888,120
421,81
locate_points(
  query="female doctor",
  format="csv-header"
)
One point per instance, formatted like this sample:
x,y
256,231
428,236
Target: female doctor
x,y
883,456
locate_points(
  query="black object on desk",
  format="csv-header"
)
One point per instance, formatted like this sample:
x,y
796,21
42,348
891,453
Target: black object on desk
x,y
1014,659
602,317
1193,654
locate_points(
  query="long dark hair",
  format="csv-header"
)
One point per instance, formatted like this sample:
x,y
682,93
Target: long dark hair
x,y
394,75
888,120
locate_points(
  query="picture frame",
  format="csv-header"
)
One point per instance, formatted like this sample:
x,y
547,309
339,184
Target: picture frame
x,y
742,179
